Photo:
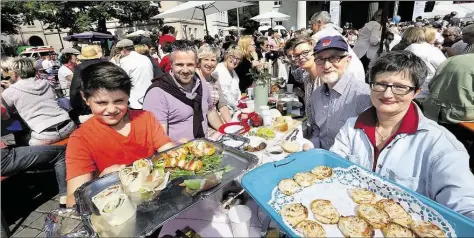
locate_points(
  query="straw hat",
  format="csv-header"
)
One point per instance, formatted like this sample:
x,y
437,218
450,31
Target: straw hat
x,y
89,52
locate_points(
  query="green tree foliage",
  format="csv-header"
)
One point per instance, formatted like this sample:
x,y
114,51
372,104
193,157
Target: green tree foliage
x,y
11,17
245,13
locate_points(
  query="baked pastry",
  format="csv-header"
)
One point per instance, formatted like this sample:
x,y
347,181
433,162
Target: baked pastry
x,y
396,212
322,172
290,146
353,226
362,195
288,186
294,213
427,229
305,179
280,126
396,230
324,211
374,215
310,229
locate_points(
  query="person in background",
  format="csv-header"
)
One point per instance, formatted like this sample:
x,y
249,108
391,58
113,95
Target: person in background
x,y
80,111
430,55
451,35
228,78
168,35
322,27
144,50
97,147
66,71
165,58
179,100
154,54
47,63
368,41
410,36
467,39
36,104
430,35
434,163
452,19
140,70
262,47
340,96
352,36
207,62
298,87
247,46
387,43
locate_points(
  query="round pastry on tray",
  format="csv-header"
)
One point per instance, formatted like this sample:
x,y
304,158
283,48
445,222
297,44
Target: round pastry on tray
x,y
288,186
324,211
294,213
310,229
322,172
395,211
305,179
396,230
353,226
374,215
427,229
362,195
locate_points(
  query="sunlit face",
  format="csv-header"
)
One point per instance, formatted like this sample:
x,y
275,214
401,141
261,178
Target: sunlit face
x,y
184,66
289,56
265,47
315,26
448,36
73,59
152,50
109,106
303,55
334,64
233,61
252,46
387,102
208,64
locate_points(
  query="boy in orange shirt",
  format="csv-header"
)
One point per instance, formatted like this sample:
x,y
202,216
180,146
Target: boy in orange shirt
x,y
114,136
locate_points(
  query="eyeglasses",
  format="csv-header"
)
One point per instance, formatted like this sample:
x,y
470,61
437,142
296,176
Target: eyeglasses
x,y
396,89
235,58
304,54
332,59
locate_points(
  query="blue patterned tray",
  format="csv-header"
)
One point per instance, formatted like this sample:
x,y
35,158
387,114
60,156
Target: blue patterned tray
x,y
261,183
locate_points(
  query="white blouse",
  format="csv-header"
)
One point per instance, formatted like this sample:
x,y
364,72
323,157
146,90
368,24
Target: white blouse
x,y
229,84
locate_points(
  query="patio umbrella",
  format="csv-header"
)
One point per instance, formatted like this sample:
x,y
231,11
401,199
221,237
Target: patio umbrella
x,y
272,16
199,9
138,33
233,28
90,35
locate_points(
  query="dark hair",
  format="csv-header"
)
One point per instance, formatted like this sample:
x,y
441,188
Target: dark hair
x,y
260,41
65,58
289,45
226,45
400,62
104,75
167,47
183,46
167,30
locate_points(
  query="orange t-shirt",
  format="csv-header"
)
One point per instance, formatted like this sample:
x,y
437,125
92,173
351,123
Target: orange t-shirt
x,y
96,146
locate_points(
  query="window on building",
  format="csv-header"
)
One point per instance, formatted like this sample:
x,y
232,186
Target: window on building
x,y
277,3
30,23
429,6
195,32
279,23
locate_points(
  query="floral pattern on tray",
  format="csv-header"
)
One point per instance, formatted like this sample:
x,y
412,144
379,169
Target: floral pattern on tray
x,y
355,177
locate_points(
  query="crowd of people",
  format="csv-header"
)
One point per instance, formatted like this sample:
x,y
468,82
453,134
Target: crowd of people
x,y
393,111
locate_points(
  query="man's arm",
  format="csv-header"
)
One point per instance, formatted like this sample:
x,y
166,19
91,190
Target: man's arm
x,y
73,184
214,119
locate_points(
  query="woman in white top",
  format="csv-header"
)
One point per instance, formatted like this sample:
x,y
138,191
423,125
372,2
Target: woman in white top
x,y
368,40
66,71
228,78
432,56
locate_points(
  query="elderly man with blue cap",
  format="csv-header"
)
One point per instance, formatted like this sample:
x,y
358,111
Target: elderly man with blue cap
x,y
340,97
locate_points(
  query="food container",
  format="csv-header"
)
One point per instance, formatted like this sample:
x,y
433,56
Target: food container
x,y
261,183
171,201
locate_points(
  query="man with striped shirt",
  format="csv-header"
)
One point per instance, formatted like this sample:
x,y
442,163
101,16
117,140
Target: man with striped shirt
x,y
468,37
340,97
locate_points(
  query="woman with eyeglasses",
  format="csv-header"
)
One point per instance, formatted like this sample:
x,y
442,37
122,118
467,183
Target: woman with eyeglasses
x,y
207,62
395,140
247,46
228,78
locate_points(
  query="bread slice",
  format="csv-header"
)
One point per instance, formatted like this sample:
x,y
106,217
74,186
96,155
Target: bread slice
x,y
290,146
362,195
396,230
427,229
288,186
322,172
324,211
395,211
305,179
294,213
374,215
310,229
353,226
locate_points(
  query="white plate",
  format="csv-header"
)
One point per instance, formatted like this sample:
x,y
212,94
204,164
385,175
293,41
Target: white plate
x,y
232,129
233,143
255,141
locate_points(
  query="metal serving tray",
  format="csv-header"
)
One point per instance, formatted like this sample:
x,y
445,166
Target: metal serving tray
x,y
260,183
170,202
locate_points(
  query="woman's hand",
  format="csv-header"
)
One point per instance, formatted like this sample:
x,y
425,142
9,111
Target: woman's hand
x,y
112,169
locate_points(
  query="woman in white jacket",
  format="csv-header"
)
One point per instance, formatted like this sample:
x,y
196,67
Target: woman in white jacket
x,y
368,40
432,56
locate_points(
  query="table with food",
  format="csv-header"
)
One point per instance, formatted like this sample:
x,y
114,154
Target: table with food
x,y
258,177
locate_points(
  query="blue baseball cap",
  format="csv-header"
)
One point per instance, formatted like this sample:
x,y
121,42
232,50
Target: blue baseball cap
x,y
331,42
